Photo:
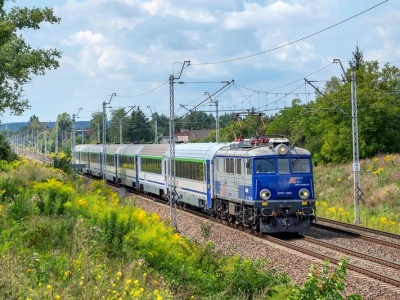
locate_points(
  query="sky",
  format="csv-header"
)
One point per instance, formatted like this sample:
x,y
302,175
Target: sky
x,y
245,54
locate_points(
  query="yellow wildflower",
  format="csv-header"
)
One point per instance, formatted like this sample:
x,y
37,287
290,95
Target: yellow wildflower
x,y
67,273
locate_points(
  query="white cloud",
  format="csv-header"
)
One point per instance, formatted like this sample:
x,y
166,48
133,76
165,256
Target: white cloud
x,y
132,45
84,38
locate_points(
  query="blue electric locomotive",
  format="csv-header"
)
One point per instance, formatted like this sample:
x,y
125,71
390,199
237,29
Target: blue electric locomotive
x,y
266,184
263,182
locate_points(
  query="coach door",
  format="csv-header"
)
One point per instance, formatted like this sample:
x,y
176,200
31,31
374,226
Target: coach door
x,y
208,182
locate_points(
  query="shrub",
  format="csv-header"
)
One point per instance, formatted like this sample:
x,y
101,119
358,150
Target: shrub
x,y
52,195
321,284
62,161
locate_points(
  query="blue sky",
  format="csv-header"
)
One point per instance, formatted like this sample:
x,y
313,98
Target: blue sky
x,y
131,47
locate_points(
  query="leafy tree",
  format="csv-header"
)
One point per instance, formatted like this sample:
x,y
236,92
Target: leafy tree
x,y
139,127
163,125
197,120
5,150
226,119
119,121
325,125
321,284
18,60
96,128
64,124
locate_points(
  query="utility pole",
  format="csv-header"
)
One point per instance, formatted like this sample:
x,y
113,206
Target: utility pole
x,y
104,169
154,116
357,192
172,197
73,135
45,144
120,123
56,140
215,101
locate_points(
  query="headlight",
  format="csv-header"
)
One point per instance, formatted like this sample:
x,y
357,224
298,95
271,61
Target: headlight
x,y
265,194
304,194
282,149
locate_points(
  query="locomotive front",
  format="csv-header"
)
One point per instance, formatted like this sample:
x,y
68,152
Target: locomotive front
x,y
283,188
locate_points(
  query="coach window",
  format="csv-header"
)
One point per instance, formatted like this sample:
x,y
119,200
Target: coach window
x,y
151,165
283,166
179,169
84,156
127,162
94,157
110,159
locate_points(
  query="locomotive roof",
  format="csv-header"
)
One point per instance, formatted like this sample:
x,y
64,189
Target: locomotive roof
x,y
259,151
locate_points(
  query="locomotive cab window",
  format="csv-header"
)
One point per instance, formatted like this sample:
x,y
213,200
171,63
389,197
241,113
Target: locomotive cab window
x,y
249,166
238,166
229,165
283,166
301,165
265,166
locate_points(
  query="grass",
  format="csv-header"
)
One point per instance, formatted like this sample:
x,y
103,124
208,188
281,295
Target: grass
x,y
380,184
62,238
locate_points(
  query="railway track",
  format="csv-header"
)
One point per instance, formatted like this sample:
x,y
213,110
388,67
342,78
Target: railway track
x,y
367,265
352,264
364,233
39,157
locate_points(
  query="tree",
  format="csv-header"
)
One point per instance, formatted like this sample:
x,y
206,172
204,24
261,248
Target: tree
x,y
197,120
139,129
357,60
119,121
227,119
18,60
96,128
5,150
64,123
163,125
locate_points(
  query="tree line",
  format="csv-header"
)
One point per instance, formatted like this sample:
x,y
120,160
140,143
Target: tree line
x,y
323,126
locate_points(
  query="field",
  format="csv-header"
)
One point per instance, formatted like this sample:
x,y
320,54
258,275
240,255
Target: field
x,y
380,184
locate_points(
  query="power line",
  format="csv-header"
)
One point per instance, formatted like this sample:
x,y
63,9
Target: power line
x,y
296,41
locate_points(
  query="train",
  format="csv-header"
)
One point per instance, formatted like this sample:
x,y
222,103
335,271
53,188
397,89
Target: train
x,y
263,182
